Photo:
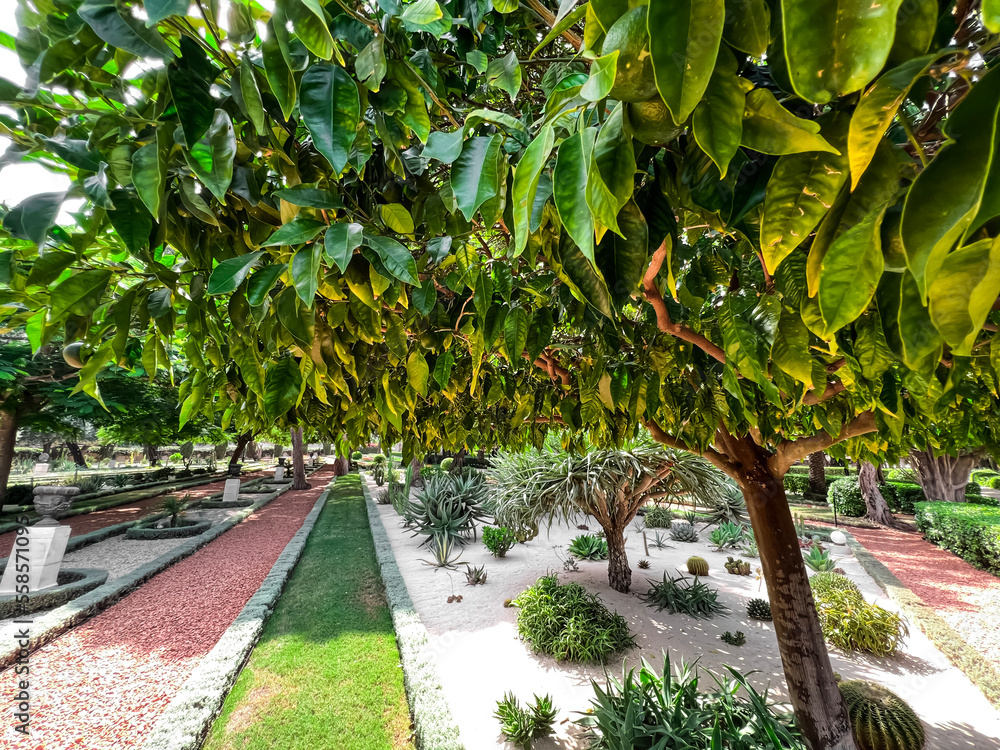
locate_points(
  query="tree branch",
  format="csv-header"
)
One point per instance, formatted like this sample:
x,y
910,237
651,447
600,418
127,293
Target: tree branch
x,y
831,390
550,18
663,322
791,451
712,456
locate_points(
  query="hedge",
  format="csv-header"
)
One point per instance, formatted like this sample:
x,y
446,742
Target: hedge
x,y
845,496
905,496
970,530
983,476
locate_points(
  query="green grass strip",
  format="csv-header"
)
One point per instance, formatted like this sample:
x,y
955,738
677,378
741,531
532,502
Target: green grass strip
x,y
326,670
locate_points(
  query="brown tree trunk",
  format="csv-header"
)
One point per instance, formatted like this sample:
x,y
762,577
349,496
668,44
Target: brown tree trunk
x,y
252,450
8,437
817,473
298,461
943,478
819,707
241,443
459,461
77,454
152,455
341,466
619,573
877,508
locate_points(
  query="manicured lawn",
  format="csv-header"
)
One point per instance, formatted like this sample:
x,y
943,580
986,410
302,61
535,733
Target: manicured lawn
x,y
326,671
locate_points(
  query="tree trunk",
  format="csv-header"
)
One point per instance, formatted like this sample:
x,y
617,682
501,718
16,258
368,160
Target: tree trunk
x,y
877,508
152,454
817,473
241,444
77,454
415,465
252,451
943,478
819,707
341,466
619,573
459,460
8,437
298,461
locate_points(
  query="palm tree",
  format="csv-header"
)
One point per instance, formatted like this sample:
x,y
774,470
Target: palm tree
x,y
610,485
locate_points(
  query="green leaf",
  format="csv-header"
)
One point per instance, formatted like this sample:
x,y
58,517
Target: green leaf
x,y
331,109
684,37
309,22
583,280
190,78
877,109
418,372
931,226
504,73
47,267
475,174
397,218
282,385
442,369
991,15
123,31
211,158
835,47
748,26
525,184
850,273
370,66
421,13
242,29
149,171
445,147
263,281
424,298
602,77
539,333
916,24
790,350
80,294
718,120
622,259
306,266
570,19
131,220
252,104
32,218
478,60
741,342
298,230
309,197
395,257
340,243
771,129
295,317
963,292
569,187
612,171
158,303
800,192
278,71
230,273
157,10
870,347
515,333
917,334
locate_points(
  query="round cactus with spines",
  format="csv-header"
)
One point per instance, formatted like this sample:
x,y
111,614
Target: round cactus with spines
x,y
759,609
682,531
697,566
880,719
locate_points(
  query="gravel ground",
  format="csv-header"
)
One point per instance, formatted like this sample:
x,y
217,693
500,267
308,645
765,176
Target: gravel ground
x,y
103,685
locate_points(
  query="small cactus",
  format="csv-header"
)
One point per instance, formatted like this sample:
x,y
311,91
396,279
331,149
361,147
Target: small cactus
x,y
759,609
733,639
880,719
644,564
475,576
697,566
683,531
737,567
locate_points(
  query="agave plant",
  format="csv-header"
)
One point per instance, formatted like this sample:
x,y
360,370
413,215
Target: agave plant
x,y
588,547
727,534
449,504
446,552
819,559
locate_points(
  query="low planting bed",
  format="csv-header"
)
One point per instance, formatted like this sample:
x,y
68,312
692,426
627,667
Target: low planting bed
x,y
969,530
185,527
242,501
72,582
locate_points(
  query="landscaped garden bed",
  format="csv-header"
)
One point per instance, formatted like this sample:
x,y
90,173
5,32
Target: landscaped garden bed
x,y
71,583
159,528
969,530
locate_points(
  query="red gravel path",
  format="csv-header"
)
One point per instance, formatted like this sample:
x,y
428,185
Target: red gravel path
x,y
103,685
100,519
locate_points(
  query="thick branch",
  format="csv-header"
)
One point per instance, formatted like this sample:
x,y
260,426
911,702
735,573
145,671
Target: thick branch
x,y
831,390
791,451
554,369
714,457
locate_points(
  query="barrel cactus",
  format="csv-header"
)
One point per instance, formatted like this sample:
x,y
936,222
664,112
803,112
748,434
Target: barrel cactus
x,y
682,531
697,566
880,719
823,584
759,609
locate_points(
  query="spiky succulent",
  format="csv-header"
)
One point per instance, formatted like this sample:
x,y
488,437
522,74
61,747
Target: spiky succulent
x,y
475,576
697,566
683,531
734,639
589,547
644,564
759,609
880,719
737,567
824,583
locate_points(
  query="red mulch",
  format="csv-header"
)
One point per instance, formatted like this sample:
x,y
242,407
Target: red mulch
x,y
100,519
103,685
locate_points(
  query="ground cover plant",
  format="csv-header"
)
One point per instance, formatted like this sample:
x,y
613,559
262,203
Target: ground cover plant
x,y
681,595
329,643
569,623
658,517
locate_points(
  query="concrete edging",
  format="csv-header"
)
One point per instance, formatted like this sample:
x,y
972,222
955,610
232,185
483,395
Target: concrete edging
x,y
434,724
980,672
90,579
189,716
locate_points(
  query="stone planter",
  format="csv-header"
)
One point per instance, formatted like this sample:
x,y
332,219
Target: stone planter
x,y
51,501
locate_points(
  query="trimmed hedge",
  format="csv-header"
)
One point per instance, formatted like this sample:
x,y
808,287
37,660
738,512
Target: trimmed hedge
x,y
183,529
906,495
71,583
983,476
971,531
845,496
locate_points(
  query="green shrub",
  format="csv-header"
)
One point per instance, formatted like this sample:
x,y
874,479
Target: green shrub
x,y
909,476
905,496
589,547
448,505
19,494
797,483
845,496
993,483
378,460
429,471
569,623
683,596
356,456
983,475
973,488
970,530
852,624
446,464
647,710
119,480
90,484
728,534
658,517
498,540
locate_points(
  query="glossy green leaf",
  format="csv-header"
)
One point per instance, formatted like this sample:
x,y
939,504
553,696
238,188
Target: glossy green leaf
x,y
305,269
424,298
295,317
602,77
569,187
80,294
298,230
771,129
478,60
418,372
421,13
32,218
870,347
131,220
622,259
790,349
586,284
157,10
475,174
850,273
525,183
263,281
47,267
149,170
397,259
515,333
963,293
442,369
211,158
918,336
310,26
278,71
340,242
717,123
370,65
916,23
684,37
95,187
397,218
190,78
748,26
252,103
242,29
443,146
579,12
230,273
612,171
835,47
504,73
991,15
121,29
310,197
331,109
282,385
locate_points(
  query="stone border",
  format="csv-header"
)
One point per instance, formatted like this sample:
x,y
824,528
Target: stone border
x,y
146,532
982,674
215,504
189,716
51,625
434,724
90,579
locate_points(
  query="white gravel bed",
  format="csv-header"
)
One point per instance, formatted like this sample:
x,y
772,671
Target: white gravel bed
x,y
480,657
